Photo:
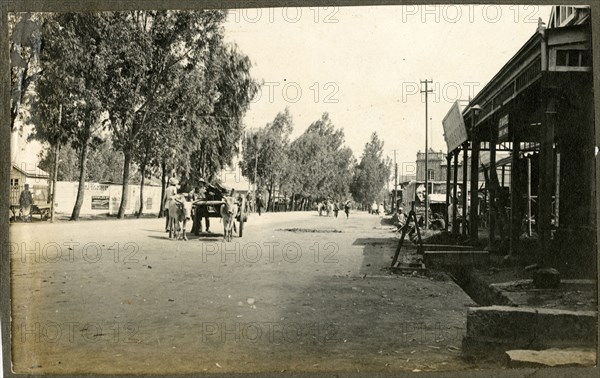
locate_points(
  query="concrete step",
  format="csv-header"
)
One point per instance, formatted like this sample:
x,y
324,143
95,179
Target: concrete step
x,y
405,268
569,357
447,247
505,328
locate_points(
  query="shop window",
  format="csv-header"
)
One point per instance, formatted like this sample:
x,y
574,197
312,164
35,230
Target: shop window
x,y
562,14
431,174
573,58
586,58
568,11
561,57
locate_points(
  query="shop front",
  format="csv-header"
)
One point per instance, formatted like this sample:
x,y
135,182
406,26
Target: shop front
x,y
539,108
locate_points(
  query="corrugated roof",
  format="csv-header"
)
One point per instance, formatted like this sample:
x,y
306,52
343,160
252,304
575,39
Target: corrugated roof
x,y
38,173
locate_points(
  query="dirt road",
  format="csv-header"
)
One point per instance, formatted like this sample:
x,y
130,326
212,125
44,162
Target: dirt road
x,y
298,292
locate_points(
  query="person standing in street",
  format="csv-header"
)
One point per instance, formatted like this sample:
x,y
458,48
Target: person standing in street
x,y
25,202
249,208
399,218
347,208
199,194
195,212
204,213
259,203
170,192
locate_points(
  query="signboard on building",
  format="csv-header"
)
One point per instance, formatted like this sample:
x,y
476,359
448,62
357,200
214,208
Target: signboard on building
x,y
100,202
503,129
95,186
455,131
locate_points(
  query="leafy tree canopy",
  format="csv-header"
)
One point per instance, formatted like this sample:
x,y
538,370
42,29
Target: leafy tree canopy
x,y
372,173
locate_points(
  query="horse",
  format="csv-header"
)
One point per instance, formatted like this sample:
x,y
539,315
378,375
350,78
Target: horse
x,y
228,210
180,211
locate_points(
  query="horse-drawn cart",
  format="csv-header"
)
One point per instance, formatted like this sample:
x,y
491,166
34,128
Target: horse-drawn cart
x,y
42,211
211,209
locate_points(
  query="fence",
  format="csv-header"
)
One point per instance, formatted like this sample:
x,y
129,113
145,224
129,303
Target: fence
x,y
106,198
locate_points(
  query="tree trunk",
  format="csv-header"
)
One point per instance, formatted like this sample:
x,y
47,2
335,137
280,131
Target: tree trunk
x,y
125,189
143,172
14,111
203,171
54,179
81,188
270,202
55,168
163,188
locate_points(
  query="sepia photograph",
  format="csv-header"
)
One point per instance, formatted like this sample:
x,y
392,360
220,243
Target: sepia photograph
x,y
282,189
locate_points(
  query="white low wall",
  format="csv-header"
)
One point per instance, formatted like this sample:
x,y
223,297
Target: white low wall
x,y
105,198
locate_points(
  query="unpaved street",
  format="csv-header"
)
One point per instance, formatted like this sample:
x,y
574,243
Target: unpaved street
x,y
298,292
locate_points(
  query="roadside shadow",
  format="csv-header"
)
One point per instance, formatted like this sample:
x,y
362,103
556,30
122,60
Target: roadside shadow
x,y
202,237
377,253
164,237
209,238
386,221
355,321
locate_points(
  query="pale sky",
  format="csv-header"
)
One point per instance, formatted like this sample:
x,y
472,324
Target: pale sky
x,y
363,65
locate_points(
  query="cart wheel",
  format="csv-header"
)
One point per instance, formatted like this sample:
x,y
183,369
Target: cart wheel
x,y
242,215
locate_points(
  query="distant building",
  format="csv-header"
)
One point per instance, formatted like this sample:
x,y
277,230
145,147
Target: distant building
x,y
32,175
436,166
231,177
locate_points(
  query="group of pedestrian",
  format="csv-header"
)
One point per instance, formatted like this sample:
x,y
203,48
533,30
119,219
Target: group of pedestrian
x,y
254,202
376,209
330,205
173,190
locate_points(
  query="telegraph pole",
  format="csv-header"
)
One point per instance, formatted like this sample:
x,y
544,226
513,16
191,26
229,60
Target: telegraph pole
x,y
426,91
395,183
